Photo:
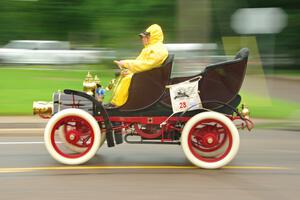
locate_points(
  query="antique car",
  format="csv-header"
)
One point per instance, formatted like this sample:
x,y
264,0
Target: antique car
x,y
79,123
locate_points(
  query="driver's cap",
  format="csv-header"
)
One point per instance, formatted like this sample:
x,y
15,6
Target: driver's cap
x,y
143,34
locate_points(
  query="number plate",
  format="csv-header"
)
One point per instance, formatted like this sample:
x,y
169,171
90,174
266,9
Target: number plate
x,y
185,96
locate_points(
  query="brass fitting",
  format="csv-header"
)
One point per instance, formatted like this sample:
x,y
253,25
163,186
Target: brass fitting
x,y
245,112
43,108
97,80
89,85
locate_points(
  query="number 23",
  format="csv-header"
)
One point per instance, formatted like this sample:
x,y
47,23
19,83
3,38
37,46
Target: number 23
x,y
182,105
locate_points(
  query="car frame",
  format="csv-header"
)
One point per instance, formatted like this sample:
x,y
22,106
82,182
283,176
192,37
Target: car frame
x,y
79,124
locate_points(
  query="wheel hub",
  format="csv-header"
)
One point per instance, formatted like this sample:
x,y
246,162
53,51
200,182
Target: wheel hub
x,y
207,136
210,140
73,136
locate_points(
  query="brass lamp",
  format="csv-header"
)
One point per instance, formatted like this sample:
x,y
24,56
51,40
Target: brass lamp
x,y
43,108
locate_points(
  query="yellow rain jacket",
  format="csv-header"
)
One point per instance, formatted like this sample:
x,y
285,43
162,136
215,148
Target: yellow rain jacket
x,y
152,56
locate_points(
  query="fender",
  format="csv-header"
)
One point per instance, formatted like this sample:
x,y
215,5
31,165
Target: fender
x,y
99,106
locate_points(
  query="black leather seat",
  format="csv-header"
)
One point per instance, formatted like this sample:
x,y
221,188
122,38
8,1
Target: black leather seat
x,y
220,82
146,88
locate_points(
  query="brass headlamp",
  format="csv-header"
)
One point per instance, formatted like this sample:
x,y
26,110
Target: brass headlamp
x,y
43,108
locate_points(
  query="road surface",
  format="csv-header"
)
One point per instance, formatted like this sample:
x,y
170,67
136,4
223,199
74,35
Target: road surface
x,y
267,167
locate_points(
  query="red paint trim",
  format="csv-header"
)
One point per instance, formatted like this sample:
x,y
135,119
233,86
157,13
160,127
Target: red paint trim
x,y
246,123
144,120
147,135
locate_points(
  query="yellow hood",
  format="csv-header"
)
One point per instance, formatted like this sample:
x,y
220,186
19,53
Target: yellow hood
x,y
156,34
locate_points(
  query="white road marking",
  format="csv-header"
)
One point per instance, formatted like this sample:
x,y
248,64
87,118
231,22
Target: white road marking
x,y
9,130
20,129
14,143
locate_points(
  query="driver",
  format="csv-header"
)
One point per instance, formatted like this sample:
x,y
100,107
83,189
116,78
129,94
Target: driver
x,y
153,55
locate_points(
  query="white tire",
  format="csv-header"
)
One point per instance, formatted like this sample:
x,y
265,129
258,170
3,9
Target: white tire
x,y
204,159
53,127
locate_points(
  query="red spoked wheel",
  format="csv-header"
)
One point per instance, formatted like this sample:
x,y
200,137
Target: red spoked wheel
x,y
81,133
73,134
210,140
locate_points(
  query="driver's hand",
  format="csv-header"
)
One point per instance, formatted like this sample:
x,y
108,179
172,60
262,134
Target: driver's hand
x,y
120,63
124,72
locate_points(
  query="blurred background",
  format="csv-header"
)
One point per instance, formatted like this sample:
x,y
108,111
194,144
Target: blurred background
x,y
49,45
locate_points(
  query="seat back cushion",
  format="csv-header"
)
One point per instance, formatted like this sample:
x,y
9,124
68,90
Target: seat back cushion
x,y
147,87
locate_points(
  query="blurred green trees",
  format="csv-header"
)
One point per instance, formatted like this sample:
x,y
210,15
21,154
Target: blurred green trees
x,y
105,22
115,23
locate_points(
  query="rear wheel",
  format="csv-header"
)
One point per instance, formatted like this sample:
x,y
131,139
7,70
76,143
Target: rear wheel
x,y
210,140
83,136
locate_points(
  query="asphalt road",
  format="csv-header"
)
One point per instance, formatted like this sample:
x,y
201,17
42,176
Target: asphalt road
x,y
267,167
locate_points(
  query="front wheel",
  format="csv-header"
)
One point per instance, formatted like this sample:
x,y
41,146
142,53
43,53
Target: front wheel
x,y
87,136
76,145
210,140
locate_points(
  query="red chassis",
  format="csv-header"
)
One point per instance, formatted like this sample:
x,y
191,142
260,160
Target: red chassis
x,y
209,139
164,125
